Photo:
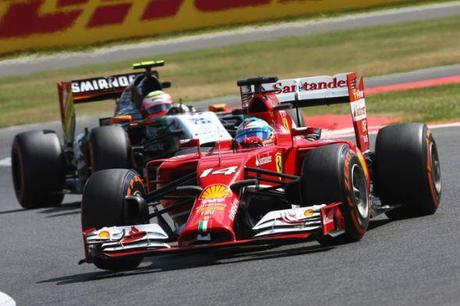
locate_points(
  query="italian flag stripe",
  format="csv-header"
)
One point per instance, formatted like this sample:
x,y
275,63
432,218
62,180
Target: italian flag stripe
x,y
203,226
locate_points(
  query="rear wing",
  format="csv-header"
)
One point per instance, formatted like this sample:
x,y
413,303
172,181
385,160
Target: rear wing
x,y
321,90
101,88
98,89
88,90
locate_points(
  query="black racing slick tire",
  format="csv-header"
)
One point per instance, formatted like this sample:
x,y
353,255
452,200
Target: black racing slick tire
x,y
334,173
407,170
103,206
38,169
109,148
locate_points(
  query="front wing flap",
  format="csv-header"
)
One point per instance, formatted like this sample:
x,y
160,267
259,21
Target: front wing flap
x,y
126,238
297,223
300,219
322,219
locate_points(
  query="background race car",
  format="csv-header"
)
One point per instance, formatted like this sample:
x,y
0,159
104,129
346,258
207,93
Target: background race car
x,y
44,169
286,185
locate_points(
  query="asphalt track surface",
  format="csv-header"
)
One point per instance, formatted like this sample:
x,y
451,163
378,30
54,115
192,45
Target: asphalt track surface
x,y
405,262
136,51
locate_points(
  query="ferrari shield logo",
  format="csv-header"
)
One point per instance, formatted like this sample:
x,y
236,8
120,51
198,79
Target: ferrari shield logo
x,y
285,123
279,162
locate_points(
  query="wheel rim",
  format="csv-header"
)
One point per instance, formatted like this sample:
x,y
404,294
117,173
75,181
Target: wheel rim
x,y
435,168
359,192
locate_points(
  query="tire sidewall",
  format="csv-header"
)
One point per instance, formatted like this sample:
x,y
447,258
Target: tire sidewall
x,y
430,144
38,169
356,224
17,171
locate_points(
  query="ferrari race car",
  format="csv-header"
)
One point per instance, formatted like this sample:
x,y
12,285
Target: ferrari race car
x,y
44,170
299,187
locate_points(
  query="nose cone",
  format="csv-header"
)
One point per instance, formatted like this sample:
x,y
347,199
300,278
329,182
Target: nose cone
x,y
213,214
212,217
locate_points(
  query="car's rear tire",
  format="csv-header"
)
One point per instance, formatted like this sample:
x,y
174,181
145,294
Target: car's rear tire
x,y
407,170
38,169
103,206
334,173
109,148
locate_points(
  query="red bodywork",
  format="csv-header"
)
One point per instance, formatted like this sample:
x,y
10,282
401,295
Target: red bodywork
x,y
210,219
213,212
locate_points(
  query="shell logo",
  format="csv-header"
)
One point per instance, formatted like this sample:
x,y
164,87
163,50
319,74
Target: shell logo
x,y
215,192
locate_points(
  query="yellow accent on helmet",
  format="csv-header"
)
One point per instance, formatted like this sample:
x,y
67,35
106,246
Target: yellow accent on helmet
x,y
155,93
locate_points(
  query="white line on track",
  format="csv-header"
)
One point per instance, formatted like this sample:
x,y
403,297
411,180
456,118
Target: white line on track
x,y
348,132
5,162
6,300
444,125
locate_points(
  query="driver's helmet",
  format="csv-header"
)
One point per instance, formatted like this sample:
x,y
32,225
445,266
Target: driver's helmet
x,y
156,103
179,109
254,131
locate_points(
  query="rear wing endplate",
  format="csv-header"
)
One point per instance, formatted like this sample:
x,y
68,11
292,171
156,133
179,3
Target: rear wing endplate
x,y
322,90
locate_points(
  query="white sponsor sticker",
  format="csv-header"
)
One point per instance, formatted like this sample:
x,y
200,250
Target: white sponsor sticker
x,y
358,110
262,160
310,88
80,86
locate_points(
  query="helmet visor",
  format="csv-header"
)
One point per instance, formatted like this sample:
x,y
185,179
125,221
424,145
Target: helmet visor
x,y
263,134
158,108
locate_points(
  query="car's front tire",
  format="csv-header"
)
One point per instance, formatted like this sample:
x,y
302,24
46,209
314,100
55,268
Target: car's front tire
x,y
334,173
103,206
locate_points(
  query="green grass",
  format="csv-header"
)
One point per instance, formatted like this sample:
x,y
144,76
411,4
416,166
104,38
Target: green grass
x,y
213,72
423,105
432,104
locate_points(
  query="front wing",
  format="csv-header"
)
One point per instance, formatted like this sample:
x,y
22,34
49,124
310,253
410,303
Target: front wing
x,y
276,227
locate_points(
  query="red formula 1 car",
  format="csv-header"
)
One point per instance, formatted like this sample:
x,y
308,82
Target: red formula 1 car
x,y
300,187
